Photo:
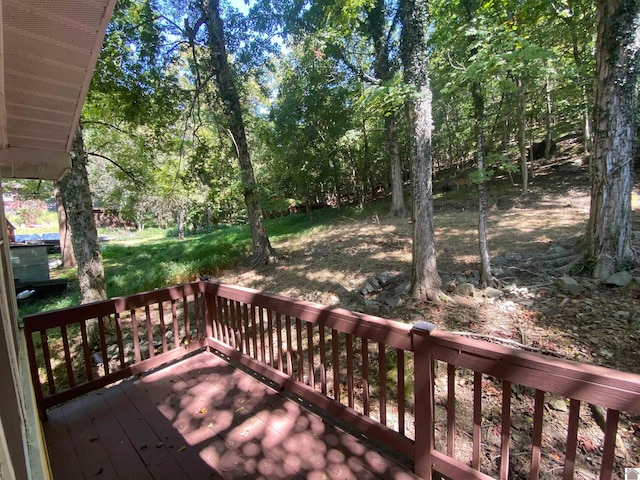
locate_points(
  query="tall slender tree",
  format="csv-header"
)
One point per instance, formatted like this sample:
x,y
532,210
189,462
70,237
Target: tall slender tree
x,y
615,126
425,281
234,123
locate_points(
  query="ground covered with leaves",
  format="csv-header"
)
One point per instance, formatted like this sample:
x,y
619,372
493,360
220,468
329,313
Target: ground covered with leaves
x,y
598,325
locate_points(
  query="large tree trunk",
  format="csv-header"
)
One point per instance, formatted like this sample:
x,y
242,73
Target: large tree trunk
x,y
617,46
425,281
66,247
76,196
262,251
84,234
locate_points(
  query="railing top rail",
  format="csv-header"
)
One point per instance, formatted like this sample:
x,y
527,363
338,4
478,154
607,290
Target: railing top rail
x,y
591,383
65,316
389,332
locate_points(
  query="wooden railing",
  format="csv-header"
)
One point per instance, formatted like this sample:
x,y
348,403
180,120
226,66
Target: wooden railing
x,y
435,397
130,336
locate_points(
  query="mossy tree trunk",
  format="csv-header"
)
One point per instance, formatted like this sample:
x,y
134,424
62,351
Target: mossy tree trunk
x,y
425,281
617,46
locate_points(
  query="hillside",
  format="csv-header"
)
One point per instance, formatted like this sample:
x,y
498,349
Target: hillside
x,y
348,265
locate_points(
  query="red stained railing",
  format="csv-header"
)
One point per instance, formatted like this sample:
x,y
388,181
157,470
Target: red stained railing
x,y
395,383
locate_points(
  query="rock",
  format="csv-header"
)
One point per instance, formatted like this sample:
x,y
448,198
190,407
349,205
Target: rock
x,y
402,289
558,404
371,306
622,314
385,278
568,285
619,279
394,302
465,289
490,292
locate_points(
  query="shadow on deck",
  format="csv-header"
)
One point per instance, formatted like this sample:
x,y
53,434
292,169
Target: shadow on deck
x,y
202,418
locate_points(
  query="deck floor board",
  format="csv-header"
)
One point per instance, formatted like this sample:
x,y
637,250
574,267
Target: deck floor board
x,y
203,419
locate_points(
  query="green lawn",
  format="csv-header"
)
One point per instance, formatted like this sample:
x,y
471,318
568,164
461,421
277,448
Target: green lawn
x,y
152,258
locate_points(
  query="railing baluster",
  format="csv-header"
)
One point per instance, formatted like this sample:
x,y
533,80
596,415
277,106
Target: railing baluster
x,y
609,449
103,346
247,333
382,382
67,356
287,322
33,368
214,319
365,377
47,361
185,315
310,357
451,410
401,395
505,430
176,329
147,321
228,320
198,304
572,439
254,331
237,325
119,339
279,337
349,342
263,351
299,350
536,436
477,419
323,361
270,337
85,350
336,364
163,328
136,341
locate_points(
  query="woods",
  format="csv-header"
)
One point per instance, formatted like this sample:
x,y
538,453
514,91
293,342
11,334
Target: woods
x,y
204,113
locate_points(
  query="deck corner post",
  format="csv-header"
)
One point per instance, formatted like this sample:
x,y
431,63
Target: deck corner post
x,y
423,398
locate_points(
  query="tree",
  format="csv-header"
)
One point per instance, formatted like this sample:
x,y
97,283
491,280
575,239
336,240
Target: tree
x,y
617,49
234,123
425,281
66,247
84,235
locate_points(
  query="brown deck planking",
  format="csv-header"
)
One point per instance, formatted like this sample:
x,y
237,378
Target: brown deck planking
x,y
203,419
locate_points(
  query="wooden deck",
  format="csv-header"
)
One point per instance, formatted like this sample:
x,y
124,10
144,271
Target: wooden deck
x,y
201,419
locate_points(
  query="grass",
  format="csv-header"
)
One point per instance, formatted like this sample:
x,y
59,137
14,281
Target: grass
x,y
154,258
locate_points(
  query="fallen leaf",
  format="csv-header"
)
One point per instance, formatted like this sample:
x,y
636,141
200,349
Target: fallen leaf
x,y
182,448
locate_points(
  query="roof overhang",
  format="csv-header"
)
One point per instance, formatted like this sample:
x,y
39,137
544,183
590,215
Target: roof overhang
x,y
48,50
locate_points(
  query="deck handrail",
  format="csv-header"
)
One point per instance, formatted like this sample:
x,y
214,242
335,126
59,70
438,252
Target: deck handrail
x,y
368,371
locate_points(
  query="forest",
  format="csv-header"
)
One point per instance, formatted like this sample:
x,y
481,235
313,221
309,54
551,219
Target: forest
x,y
204,113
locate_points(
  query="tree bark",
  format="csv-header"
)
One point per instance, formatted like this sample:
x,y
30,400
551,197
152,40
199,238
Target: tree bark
x,y
383,71
84,234
76,197
262,251
524,166
617,47
66,247
486,278
425,281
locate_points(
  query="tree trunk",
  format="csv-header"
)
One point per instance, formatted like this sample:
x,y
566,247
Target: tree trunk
x,y
262,251
66,247
486,278
425,281
76,196
522,138
522,123
397,185
547,118
617,46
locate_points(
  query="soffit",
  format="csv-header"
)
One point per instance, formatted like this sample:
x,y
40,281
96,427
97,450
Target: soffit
x,y
49,50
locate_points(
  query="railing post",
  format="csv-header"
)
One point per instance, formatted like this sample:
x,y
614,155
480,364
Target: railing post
x,y
423,381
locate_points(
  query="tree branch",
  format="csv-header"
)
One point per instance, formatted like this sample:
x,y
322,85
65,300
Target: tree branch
x,y
120,167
